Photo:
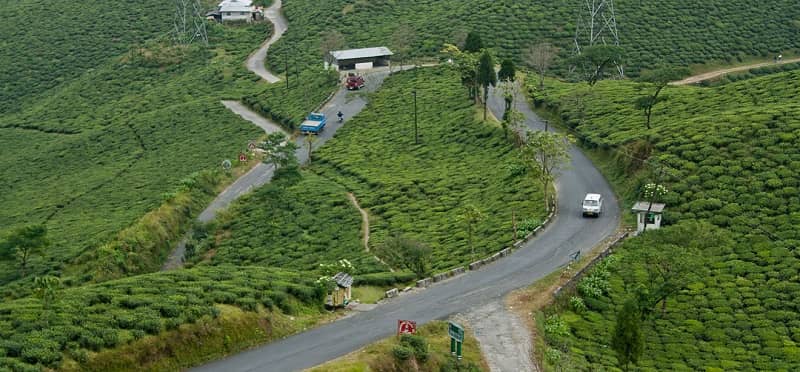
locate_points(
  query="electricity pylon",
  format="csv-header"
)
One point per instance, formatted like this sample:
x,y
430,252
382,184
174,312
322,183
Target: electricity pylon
x,y
596,25
189,24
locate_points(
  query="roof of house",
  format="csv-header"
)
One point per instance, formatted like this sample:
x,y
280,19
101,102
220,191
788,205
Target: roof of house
x,y
642,206
343,280
361,53
245,2
235,6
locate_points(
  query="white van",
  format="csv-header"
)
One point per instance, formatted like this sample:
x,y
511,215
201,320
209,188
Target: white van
x,y
592,205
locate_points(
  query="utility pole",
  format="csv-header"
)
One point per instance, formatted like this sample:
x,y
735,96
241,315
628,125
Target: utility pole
x,y
286,66
416,133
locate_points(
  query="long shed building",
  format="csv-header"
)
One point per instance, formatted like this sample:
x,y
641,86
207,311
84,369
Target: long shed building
x,y
360,59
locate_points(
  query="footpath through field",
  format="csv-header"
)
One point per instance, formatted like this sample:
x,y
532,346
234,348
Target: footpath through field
x,y
716,73
548,251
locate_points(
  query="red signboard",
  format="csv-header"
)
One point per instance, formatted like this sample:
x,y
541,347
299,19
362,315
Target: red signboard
x,y
242,158
406,326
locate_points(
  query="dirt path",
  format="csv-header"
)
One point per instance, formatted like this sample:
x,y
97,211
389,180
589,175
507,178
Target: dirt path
x,y
712,74
256,61
364,219
503,337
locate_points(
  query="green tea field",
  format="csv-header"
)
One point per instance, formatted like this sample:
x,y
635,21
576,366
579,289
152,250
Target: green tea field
x,y
731,160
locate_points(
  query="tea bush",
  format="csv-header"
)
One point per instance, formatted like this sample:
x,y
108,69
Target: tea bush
x,y
731,158
419,190
96,154
298,221
107,315
674,32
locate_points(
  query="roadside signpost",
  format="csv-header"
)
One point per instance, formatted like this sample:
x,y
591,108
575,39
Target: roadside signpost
x,y
243,158
251,146
456,333
406,326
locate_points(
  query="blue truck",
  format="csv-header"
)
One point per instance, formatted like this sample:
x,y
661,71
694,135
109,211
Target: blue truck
x,y
314,123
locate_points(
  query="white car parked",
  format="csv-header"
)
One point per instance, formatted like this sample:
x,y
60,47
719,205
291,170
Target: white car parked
x,y
592,205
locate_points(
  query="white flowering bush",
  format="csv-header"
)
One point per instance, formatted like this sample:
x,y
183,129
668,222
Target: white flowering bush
x,y
654,191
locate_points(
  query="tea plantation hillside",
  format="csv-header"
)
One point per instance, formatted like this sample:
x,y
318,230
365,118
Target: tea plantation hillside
x,y
732,160
80,325
672,31
102,150
298,221
421,190
46,43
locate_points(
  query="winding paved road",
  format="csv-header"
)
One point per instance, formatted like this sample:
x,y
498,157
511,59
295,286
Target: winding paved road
x,y
545,253
256,61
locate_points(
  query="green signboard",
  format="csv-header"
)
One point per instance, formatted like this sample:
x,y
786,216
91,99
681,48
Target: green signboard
x,y
456,332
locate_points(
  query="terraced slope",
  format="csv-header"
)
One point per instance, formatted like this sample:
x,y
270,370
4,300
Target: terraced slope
x,y
97,153
673,31
732,160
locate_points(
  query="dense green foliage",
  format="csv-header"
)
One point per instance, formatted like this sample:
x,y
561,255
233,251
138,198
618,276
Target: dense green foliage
x,y
297,221
288,107
731,158
100,151
419,190
114,313
46,44
672,31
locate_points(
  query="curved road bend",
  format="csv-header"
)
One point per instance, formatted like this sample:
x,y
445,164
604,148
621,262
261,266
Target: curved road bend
x,y
545,253
256,61
349,104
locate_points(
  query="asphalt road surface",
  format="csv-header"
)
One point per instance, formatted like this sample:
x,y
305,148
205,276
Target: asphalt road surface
x,y
257,60
349,102
550,250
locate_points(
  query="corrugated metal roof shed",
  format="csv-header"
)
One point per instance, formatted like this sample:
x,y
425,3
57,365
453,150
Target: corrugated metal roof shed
x,y
343,280
642,207
361,53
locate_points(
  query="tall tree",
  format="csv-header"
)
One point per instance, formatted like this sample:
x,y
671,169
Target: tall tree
x,y
280,152
24,242
512,118
544,154
471,216
628,340
540,57
508,72
467,66
45,288
660,78
403,38
309,141
473,43
597,58
402,251
331,40
486,77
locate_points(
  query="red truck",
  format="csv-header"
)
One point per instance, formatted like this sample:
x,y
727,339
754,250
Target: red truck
x,y
354,82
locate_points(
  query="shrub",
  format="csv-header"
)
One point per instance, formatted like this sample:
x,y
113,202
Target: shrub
x,y
577,304
38,349
402,353
384,279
